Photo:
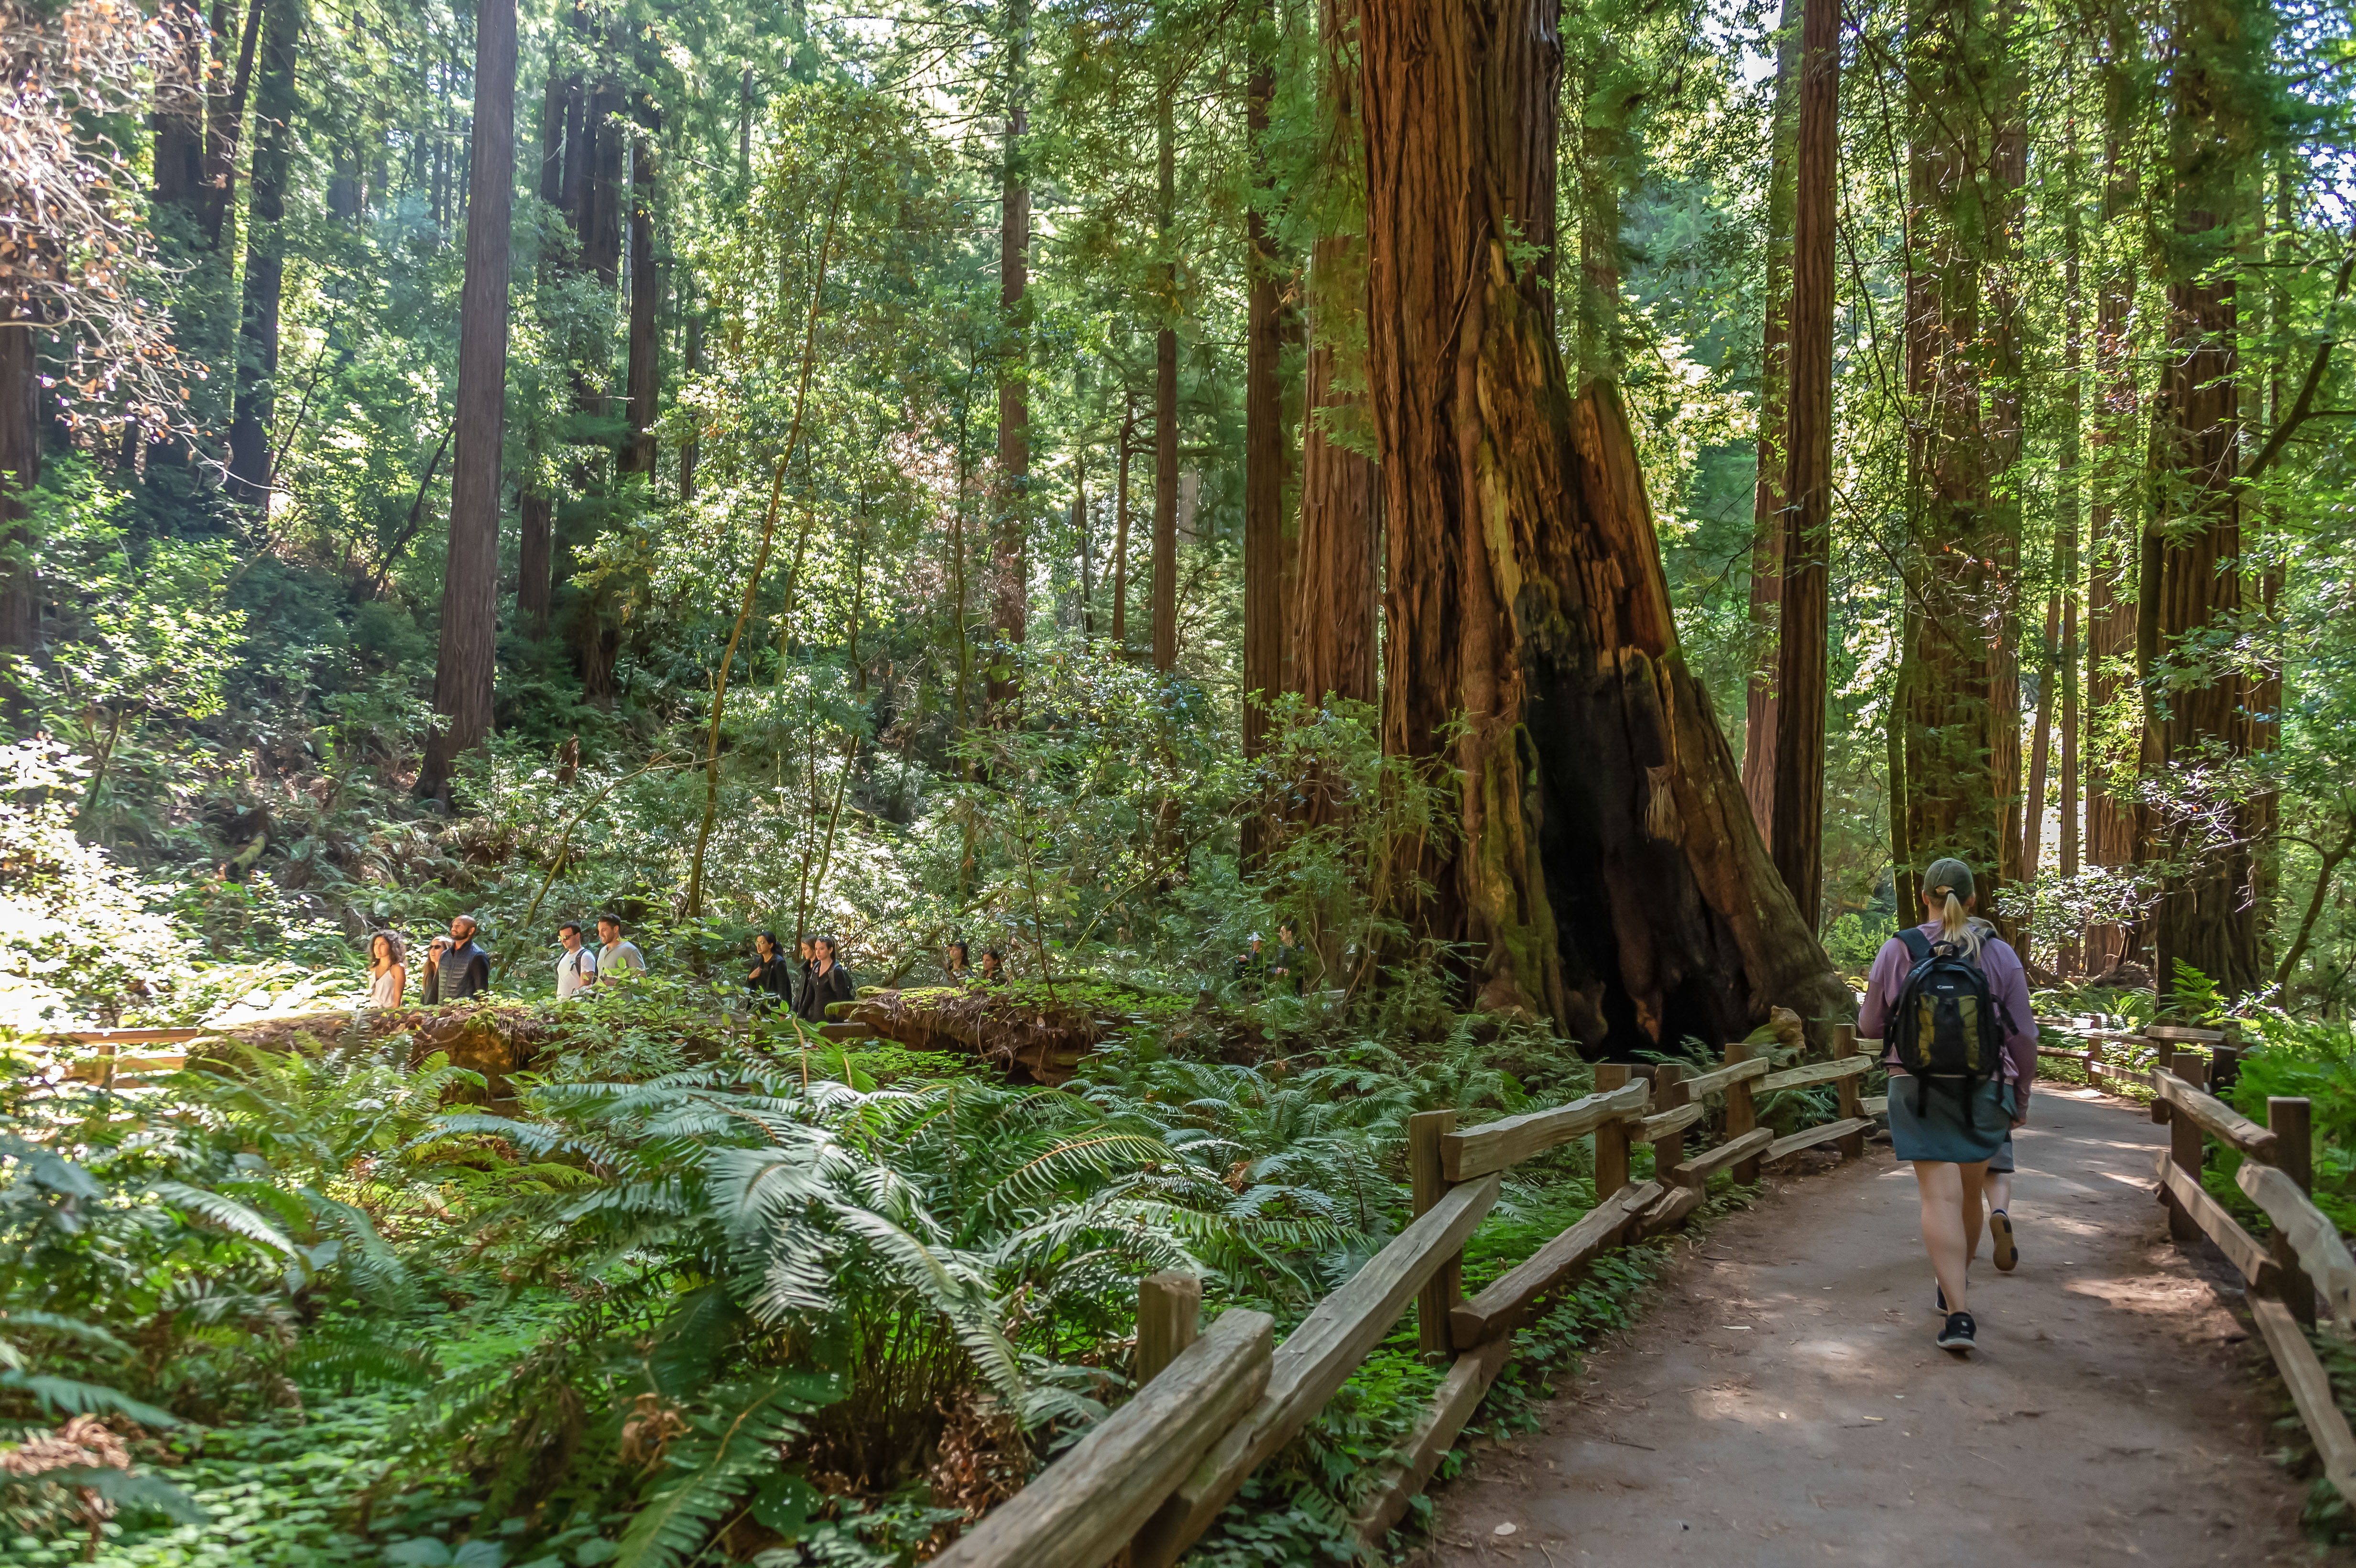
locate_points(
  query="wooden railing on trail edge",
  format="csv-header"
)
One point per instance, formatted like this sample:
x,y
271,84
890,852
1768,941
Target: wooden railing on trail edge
x,y
2307,1255
1152,1476
2162,1039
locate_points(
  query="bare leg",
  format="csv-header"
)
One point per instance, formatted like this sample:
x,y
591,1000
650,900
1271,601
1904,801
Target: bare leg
x,y
1999,1191
1974,1176
1942,1186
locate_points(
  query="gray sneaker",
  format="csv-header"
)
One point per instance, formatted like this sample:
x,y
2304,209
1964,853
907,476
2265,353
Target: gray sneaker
x,y
1958,1333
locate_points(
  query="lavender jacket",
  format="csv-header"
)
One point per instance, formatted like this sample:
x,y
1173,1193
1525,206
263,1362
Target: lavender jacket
x,y
2007,987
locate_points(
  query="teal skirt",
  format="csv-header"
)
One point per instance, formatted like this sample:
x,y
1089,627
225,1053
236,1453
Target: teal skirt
x,y
1948,1127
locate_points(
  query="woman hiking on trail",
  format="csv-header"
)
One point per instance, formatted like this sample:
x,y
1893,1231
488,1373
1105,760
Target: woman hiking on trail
x,y
1951,1001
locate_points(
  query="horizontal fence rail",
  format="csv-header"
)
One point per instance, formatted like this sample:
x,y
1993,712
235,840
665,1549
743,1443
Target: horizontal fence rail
x,y
1117,1488
2307,1255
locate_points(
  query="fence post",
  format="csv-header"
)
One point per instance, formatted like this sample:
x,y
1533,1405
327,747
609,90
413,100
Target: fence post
x,y
2294,1157
1169,1315
1742,1115
1424,1131
1668,1094
1851,1145
2184,1147
1612,1137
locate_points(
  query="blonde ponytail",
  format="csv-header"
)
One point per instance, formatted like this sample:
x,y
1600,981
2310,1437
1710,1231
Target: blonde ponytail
x,y
1959,927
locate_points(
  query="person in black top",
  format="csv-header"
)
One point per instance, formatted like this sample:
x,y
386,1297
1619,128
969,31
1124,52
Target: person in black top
x,y
1289,967
458,967
771,979
828,982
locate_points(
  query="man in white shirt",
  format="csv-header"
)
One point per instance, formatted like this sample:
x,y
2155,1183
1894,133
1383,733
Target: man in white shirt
x,y
617,960
578,967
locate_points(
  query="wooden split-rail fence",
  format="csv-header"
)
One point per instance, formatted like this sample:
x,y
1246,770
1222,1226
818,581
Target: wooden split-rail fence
x,y
2306,1256
1147,1481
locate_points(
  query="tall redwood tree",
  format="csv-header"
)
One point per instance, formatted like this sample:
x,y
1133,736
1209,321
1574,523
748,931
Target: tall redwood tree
x,y
1798,796
1609,874
1332,612
1009,552
464,671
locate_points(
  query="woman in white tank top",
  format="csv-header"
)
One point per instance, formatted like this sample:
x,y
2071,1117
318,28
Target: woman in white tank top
x,y
387,976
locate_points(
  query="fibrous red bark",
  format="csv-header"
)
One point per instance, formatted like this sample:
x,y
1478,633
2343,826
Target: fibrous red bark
x,y
1333,613
464,669
1609,873
1774,438
1797,841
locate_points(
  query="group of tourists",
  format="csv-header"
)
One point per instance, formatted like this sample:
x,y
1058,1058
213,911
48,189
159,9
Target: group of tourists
x,y
805,982
1287,967
456,967
805,985
1950,1002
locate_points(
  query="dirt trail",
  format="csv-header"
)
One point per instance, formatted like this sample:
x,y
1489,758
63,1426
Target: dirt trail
x,y
1781,1403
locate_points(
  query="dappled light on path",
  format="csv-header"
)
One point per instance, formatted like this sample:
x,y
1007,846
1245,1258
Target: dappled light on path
x,y
1780,1401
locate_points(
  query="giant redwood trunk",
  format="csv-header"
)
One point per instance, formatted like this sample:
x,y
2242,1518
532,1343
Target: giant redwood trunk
x,y
465,665
1332,612
1797,799
1952,725
1609,872
1773,441
2207,916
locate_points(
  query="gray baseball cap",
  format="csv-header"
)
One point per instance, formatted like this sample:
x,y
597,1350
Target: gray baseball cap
x,y
1948,873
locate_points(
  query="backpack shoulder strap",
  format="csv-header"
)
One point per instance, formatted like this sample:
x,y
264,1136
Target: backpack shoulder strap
x,y
1917,946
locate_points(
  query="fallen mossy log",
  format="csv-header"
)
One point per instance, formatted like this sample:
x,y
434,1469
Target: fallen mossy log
x,y
1032,1033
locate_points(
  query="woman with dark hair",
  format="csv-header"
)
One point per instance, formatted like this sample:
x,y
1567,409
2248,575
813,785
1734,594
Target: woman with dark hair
x,y
829,983
957,964
388,974
993,968
1926,995
771,979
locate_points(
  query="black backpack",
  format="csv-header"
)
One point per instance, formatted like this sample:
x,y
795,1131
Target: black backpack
x,y
1946,1025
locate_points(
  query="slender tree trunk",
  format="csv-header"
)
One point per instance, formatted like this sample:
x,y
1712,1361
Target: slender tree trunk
x,y
1120,531
1333,613
2110,612
1165,393
1767,522
2192,544
463,672
2040,749
689,445
1798,839
2063,668
644,376
1609,873
1266,457
20,470
1083,534
1010,554
535,563
265,258
225,122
